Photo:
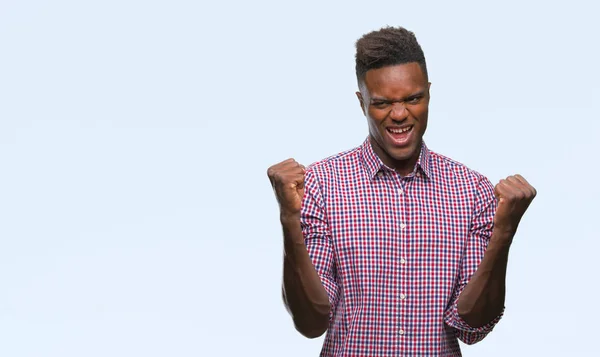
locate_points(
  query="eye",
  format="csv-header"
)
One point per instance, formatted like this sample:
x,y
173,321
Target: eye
x,y
414,100
380,105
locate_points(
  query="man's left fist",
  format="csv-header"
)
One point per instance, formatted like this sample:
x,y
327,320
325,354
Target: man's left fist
x,y
514,196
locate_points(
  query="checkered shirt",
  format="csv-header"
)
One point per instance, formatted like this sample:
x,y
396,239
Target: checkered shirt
x,y
394,253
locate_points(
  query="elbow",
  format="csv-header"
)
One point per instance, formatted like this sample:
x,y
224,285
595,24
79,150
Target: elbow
x,y
469,314
472,319
311,332
311,319
477,319
313,326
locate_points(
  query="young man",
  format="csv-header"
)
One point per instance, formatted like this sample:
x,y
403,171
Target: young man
x,y
391,248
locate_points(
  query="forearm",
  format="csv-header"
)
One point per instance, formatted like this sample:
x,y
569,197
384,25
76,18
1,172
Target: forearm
x,y
304,295
482,299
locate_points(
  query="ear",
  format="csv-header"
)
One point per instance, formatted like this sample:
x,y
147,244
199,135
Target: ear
x,y
362,103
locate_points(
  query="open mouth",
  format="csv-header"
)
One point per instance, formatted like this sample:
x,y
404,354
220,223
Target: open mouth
x,y
400,135
400,130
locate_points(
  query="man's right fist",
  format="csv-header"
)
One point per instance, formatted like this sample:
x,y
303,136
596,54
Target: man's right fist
x,y
287,179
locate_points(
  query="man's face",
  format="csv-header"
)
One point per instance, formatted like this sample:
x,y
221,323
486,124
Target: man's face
x,y
395,100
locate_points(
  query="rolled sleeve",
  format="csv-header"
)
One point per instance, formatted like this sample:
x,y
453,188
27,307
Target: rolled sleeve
x,y
482,225
317,237
464,331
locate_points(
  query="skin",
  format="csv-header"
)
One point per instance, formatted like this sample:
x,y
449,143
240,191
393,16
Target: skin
x,y
483,298
302,290
393,97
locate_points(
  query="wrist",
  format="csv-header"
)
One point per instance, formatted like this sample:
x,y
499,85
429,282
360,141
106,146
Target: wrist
x,y
289,217
505,230
503,235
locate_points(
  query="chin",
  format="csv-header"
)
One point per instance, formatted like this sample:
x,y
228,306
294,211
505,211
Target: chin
x,y
403,154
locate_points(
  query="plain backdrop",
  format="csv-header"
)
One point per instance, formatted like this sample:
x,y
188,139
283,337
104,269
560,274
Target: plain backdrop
x,y
136,217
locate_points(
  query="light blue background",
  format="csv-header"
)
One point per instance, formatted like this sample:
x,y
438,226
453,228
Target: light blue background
x,y
136,217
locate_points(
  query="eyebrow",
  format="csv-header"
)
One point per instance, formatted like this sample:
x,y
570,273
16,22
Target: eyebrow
x,y
387,100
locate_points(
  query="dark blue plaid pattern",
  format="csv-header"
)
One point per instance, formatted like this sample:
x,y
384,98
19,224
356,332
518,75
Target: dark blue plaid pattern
x,y
394,253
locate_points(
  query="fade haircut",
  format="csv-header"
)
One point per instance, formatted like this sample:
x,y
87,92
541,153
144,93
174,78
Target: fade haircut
x,y
388,46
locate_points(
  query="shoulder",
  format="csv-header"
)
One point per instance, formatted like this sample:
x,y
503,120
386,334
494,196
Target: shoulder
x,y
454,172
343,163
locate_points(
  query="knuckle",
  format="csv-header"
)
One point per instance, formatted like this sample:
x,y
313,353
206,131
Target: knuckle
x,y
278,177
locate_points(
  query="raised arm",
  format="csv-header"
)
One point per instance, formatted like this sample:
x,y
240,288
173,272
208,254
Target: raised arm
x,y
483,298
303,293
479,297
478,302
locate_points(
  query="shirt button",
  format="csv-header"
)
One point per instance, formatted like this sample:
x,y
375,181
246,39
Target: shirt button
x,y
402,261
380,173
401,332
402,226
402,296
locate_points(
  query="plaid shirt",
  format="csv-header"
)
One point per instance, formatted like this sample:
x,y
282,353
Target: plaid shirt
x,y
394,253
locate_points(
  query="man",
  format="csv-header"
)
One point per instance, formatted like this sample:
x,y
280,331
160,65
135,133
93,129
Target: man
x,y
391,248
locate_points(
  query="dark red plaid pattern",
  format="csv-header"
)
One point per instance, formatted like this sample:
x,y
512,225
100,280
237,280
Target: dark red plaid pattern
x,y
394,253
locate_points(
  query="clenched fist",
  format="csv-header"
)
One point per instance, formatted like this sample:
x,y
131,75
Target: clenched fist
x,y
514,196
287,179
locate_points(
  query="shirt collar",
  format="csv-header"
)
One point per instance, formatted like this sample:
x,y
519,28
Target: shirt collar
x,y
373,163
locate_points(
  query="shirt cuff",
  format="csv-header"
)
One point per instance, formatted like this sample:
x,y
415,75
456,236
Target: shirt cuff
x,y
467,333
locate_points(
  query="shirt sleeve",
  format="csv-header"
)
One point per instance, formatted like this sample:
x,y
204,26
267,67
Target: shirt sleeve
x,y
317,237
480,233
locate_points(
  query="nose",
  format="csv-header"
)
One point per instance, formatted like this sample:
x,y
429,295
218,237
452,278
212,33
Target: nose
x,y
398,112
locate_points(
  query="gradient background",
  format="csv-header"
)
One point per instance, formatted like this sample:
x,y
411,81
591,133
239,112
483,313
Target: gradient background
x,y
136,217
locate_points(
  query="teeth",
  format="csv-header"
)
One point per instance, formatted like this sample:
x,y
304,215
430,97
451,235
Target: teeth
x,y
400,131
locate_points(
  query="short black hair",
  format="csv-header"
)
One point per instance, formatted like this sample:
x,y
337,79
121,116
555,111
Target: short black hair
x,y
388,46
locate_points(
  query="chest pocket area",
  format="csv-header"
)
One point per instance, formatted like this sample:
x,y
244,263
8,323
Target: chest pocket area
x,y
366,238
440,239
365,252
